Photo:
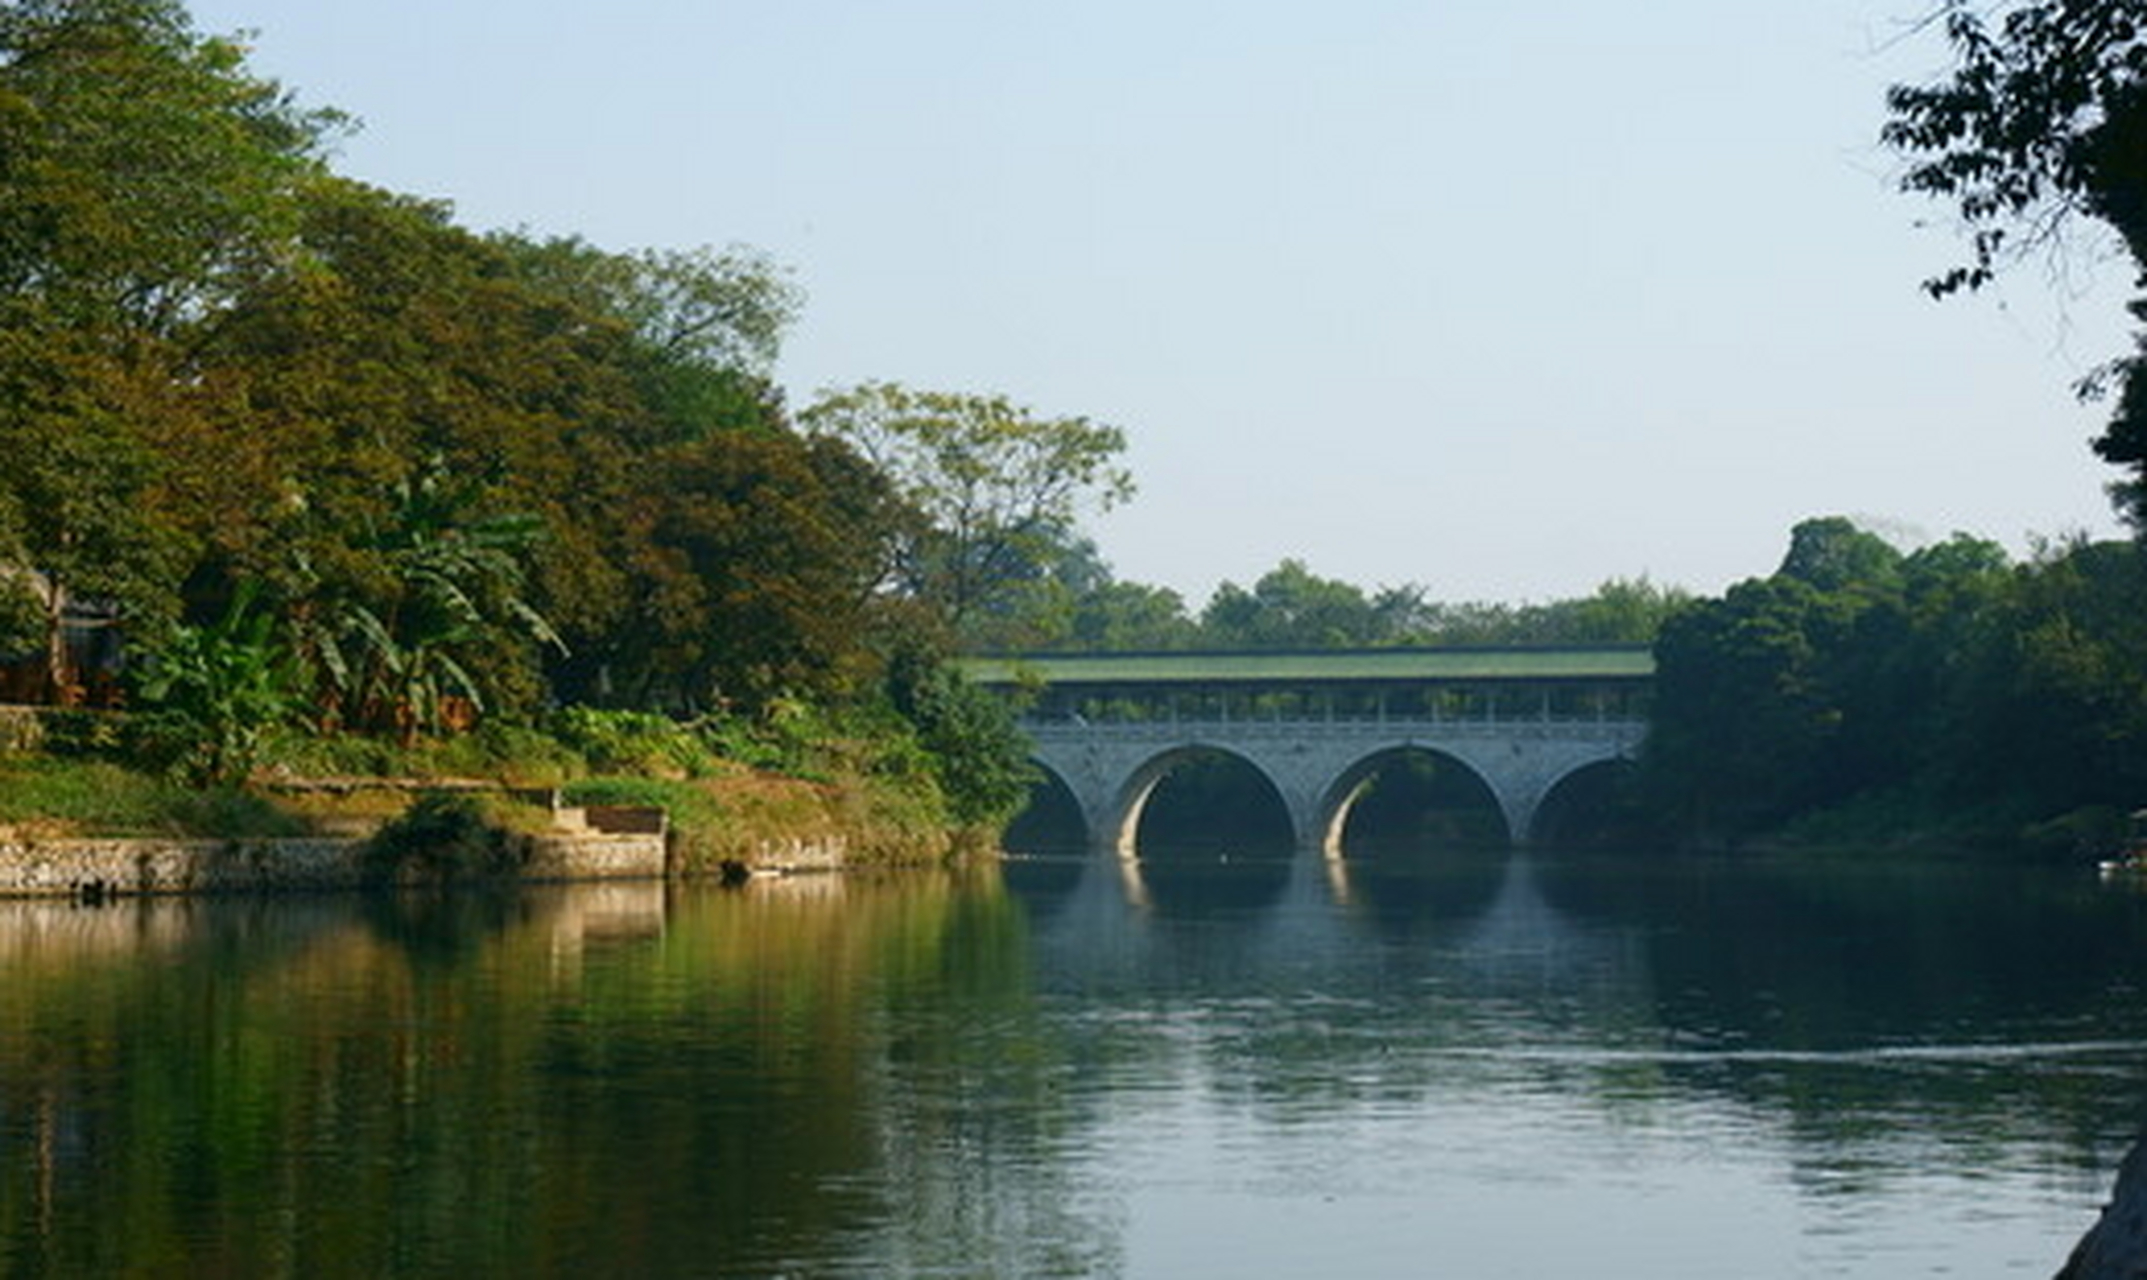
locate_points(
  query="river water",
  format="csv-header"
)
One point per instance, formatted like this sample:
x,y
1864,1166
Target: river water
x,y
1452,1066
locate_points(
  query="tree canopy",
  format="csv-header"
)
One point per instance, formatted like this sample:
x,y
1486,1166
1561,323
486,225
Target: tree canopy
x,y
320,449
997,485
1947,689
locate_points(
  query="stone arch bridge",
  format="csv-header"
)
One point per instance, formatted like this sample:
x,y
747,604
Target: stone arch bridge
x,y
1318,726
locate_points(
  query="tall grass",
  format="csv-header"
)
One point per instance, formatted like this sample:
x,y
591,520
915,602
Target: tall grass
x,y
97,797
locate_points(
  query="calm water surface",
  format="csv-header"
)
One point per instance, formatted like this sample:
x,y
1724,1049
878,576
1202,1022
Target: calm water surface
x,y
1473,1068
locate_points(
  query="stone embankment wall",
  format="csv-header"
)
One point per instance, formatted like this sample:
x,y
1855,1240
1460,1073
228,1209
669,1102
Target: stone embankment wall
x,y
97,868
101,867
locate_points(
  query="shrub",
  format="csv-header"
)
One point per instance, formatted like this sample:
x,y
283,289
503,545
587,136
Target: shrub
x,y
442,838
633,742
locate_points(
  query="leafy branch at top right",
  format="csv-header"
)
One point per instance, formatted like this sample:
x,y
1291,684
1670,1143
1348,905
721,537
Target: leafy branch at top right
x,y
2042,121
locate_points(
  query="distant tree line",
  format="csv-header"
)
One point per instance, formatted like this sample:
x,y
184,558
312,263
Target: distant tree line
x,y
1066,599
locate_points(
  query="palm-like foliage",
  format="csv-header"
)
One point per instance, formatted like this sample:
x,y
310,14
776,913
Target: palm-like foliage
x,y
396,653
214,692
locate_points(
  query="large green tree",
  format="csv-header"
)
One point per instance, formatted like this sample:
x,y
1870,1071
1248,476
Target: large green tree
x,y
755,576
399,359
997,486
705,326
1946,691
145,177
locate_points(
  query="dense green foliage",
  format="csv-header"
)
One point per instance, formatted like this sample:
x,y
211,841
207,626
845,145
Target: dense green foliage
x,y
996,489
332,460
1944,694
215,692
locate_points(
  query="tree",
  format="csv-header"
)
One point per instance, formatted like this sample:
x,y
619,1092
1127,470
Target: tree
x,y
1831,554
78,490
1290,607
1621,611
979,757
2053,709
997,485
755,574
704,325
2043,122
403,343
445,585
145,177
213,692
144,173
1744,718
1127,616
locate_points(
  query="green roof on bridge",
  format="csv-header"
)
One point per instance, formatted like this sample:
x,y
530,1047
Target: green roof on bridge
x,y
1618,662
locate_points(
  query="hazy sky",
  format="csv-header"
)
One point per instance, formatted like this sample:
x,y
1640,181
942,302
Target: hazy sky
x,y
1500,299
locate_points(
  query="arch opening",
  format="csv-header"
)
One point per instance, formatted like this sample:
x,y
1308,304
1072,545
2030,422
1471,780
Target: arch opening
x,y
1051,823
1595,807
1408,804
1203,804
1210,831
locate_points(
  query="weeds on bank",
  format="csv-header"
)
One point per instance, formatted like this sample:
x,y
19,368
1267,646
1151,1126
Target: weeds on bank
x,y
96,797
730,787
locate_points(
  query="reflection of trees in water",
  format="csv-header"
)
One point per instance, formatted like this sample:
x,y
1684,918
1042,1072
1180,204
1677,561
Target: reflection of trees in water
x,y
520,1089
1876,1003
439,925
1830,956
906,1071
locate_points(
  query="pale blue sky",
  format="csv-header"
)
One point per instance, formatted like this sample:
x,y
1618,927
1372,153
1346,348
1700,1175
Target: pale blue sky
x,y
1501,299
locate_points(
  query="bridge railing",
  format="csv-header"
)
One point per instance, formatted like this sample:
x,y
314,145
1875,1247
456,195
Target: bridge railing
x,y
1517,702
1620,730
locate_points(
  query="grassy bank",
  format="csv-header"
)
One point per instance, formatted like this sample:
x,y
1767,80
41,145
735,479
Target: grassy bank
x,y
733,794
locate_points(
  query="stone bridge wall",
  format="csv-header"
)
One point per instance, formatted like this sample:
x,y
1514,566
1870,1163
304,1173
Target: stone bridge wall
x,y
1315,765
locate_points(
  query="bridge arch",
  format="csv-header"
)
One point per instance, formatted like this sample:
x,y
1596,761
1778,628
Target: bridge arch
x,y
1120,827
1054,819
1339,799
1583,806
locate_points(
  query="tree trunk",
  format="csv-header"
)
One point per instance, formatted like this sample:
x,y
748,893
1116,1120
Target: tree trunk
x,y
59,672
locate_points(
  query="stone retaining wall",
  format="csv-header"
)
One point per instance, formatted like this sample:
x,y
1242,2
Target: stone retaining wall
x,y
799,854
596,857
99,868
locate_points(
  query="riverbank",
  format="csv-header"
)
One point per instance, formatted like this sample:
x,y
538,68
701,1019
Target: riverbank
x,y
73,824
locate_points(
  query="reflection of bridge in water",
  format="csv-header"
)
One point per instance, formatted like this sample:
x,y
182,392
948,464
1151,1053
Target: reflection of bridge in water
x,y
1455,929
1319,727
